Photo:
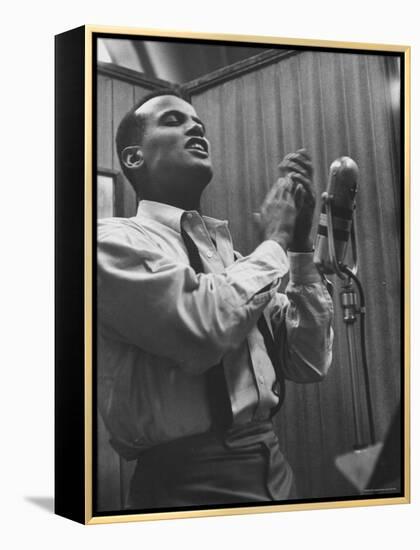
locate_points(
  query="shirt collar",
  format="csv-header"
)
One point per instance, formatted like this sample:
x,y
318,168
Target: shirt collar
x,y
171,215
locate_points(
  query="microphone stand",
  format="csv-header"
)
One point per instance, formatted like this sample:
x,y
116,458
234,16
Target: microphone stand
x,y
350,310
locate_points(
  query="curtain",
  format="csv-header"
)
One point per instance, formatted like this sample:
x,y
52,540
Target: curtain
x,y
332,104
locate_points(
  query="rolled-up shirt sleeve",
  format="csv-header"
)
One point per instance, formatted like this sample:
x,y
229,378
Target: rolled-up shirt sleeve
x,y
151,300
302,322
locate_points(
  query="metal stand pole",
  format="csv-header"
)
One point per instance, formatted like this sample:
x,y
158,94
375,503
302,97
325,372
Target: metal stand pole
x,y
349,306
350,312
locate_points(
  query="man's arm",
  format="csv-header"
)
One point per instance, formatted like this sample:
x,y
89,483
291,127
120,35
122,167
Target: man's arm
x,y
161,305
302,322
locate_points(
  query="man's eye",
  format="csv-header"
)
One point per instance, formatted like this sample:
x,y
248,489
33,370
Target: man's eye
x,y
172,120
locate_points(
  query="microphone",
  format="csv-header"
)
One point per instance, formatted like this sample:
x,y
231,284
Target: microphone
x,y
336,212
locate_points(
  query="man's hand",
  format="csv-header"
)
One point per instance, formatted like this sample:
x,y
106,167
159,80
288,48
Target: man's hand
x,y
298,167
278,212
287,211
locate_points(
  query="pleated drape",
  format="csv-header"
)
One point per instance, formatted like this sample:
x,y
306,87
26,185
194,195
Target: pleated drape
x,y
332,104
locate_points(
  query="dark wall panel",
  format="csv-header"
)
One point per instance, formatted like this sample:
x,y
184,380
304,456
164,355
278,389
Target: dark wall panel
x,y
115,96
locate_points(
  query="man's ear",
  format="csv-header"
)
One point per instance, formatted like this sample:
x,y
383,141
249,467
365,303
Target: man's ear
x,y
132,157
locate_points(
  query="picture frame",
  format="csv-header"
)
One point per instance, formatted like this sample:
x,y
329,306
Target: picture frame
x,y
336,99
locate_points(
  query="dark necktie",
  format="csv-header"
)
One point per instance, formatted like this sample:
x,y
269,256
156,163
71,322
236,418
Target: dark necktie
x,y
218,395
279,387
217,392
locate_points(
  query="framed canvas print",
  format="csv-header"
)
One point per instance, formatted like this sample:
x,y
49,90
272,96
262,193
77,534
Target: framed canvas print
x,y
232,288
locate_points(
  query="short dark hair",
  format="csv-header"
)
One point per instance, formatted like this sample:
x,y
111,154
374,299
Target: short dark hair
x,y
131,128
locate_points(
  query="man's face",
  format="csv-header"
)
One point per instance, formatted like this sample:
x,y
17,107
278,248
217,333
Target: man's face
x,y
175,152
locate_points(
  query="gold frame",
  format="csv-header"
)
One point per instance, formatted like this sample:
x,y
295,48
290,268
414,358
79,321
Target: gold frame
x,y
89,31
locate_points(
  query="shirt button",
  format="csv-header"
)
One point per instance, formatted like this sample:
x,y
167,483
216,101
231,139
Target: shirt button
x,y
261,379
209,254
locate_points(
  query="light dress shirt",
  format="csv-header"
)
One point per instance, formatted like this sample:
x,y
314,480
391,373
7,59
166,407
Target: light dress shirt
x,y
161,325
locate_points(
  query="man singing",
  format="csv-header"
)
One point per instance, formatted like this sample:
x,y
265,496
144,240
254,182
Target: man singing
x,y
195,341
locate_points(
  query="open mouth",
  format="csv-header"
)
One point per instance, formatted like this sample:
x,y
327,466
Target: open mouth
x,y
198,145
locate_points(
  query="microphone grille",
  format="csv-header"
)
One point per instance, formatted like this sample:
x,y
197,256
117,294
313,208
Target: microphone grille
x,y
344,174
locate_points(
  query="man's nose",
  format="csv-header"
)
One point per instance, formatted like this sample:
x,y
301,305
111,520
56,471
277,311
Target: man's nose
x,y
195,129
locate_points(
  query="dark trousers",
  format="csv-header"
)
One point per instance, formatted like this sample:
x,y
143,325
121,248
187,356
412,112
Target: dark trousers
x,y
244,465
